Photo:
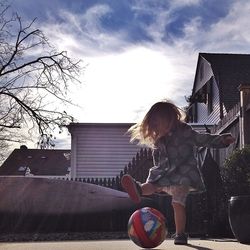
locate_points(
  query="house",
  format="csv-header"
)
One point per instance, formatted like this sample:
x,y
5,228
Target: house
x,y
221,96
37,163
100,150
216,85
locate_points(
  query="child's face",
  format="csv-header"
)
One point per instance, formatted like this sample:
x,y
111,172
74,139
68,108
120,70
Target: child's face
x,y
163,128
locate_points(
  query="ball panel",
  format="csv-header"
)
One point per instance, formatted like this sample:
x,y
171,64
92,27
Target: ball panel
x,y
138,231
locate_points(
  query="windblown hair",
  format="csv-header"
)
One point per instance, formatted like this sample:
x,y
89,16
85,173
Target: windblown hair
x,y
159,120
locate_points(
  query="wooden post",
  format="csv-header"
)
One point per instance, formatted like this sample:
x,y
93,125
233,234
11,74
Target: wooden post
x,y
244,115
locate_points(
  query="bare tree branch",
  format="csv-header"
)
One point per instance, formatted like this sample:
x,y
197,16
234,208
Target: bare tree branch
x,y
31,71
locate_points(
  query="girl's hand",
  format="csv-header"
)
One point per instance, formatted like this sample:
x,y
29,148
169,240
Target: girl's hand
x,y
228,140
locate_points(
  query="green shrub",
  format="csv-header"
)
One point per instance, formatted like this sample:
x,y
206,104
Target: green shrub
x,y
236,172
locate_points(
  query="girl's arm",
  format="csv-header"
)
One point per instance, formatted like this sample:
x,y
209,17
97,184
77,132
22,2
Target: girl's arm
x,y
212,140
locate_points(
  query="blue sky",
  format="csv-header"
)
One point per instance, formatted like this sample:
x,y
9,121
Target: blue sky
x,y
137,52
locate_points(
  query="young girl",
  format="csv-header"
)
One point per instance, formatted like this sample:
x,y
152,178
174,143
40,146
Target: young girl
x,y
175,168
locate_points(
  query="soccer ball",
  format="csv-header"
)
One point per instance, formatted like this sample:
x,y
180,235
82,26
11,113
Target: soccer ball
x,y
147,228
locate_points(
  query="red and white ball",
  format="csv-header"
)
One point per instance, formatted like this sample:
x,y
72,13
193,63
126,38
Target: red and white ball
x,y
147,228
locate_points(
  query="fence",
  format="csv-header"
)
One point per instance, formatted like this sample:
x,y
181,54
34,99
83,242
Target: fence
x,y
216,199
229,124
231,117
138,168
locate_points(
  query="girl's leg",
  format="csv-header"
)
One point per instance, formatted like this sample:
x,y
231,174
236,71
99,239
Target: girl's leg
x,y
179,195
148,188
136,189
179,217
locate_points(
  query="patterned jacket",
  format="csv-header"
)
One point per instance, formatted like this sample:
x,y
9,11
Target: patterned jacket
x,y
175,160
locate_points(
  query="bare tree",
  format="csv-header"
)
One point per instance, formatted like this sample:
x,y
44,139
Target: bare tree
x,y
31,73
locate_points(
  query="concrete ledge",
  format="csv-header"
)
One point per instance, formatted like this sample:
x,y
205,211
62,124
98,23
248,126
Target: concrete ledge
x,y
48,205
39,195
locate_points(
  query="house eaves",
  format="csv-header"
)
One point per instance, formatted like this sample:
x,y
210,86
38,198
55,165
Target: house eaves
x,y
230,71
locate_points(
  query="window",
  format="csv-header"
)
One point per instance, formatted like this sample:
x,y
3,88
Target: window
x,y
210,96
201,71
201,95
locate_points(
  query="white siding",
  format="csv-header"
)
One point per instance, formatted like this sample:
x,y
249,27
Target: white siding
x,y
101,150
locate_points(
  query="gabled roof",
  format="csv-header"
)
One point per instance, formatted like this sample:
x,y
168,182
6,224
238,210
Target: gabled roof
x,y
38,161
230,71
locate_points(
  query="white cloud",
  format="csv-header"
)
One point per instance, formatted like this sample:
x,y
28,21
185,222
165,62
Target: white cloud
x,y
120,85
117,86
229,35
122,78
183,3
232,32
82,33
163,15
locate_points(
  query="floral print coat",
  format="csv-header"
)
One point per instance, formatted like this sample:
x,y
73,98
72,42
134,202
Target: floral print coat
x,y
175,160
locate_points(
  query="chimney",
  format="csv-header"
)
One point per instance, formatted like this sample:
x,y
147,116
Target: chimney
x,y
23,147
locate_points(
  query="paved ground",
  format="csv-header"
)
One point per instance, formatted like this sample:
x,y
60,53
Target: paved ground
x,y
195,244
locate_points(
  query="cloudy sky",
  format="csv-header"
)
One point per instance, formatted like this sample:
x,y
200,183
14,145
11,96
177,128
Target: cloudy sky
x,y
137,52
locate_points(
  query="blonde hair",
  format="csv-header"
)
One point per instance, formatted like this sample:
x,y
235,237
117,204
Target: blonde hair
x,y
159,120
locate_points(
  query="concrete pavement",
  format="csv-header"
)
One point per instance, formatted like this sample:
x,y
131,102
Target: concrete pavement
x,y
195,244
